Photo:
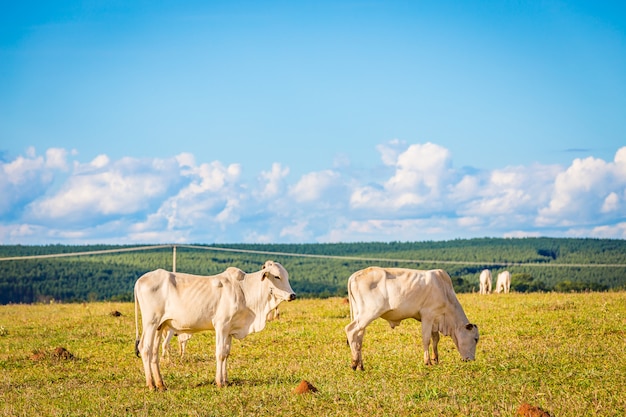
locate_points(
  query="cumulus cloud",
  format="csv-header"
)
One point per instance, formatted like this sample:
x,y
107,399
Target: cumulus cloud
x,y
504,198
27,178
421,172
273,181
208,197
588,191
312,186
420,195
105,188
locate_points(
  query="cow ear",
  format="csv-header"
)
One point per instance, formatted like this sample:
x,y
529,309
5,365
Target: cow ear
x,y
265,274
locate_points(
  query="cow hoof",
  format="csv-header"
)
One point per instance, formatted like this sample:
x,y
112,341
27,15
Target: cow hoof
x,y
356,366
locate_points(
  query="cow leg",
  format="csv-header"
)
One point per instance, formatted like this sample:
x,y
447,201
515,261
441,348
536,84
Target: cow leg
x,y
355,333
435,340
426,336
154,361
222,350
182,344
165,346
146,349
144,352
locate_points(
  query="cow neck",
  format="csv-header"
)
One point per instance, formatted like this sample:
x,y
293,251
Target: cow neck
x,y
257,299
453,318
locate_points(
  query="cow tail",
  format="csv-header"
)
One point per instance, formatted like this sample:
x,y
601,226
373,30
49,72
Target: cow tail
x,y
351,299
136,322
351,313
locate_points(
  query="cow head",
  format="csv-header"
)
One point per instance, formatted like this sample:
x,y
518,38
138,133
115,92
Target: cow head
x,y
278,279
466,338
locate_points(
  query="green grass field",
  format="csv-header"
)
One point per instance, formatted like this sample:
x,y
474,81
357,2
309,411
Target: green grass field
x,y
562,352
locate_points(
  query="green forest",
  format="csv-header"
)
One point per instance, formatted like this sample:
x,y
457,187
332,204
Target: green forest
x,y
316,270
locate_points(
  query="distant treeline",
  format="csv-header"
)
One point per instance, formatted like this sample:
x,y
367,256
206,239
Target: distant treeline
x,y
111,276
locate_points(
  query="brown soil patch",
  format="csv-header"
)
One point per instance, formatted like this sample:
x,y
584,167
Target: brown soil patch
x,y
304,386
37,355
62,353
115,313
527,410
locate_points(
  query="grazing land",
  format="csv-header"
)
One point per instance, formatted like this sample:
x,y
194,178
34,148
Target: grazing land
x,y
561,352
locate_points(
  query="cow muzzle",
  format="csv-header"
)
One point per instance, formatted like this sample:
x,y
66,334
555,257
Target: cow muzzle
x,y
282,295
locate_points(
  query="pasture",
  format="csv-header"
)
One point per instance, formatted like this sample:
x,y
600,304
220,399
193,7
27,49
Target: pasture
x,y
561,352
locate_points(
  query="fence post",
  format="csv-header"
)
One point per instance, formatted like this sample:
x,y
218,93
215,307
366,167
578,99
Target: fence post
x,y
174,258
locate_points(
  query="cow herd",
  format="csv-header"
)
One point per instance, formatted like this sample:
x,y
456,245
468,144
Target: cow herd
x,y
234,303
503,283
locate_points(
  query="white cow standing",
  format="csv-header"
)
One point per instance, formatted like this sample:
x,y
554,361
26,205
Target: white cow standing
x,y
232,303
503,283
485,281
396,294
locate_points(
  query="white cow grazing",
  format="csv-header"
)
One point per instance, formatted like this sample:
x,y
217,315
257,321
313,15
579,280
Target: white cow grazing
x,y
485,281
504,282
232,303
396,294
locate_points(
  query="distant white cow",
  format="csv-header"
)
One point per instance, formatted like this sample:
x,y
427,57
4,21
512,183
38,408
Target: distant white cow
x,y
232,303
485,281
396,294
503,284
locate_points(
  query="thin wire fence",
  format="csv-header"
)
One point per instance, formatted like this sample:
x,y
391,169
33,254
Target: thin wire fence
x,y
308,255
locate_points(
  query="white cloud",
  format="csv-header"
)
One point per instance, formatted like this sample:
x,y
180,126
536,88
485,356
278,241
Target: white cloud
x,y
587,190
273,180
102,188
389,151
210,198
297,231
56,158
311,186
390,230
21,170
611,203
421,173
186,159
26,179
521,234
505,192
615,231
421,169
466,189
470,221
420,195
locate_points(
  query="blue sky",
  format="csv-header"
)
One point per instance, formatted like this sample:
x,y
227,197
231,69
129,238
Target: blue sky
x,y
203,122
